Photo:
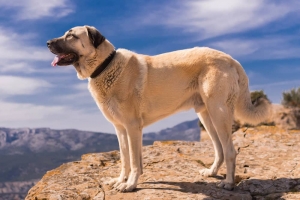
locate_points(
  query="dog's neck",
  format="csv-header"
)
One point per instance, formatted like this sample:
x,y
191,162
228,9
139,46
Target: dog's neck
x,y
85,68
103,65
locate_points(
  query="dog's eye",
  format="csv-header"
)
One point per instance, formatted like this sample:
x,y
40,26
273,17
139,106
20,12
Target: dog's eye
x,y
69,36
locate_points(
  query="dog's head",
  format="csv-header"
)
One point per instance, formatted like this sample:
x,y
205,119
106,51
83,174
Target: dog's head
x,y
76,43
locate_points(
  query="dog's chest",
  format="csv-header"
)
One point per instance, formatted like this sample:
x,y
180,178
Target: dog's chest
x,y
107,100
111,76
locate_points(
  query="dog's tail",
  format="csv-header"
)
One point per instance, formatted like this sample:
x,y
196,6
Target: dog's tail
x,y
245,110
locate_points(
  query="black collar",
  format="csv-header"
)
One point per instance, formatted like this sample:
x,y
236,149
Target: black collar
x,y
103,65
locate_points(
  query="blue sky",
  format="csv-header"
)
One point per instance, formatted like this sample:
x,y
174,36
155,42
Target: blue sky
x,y
264,35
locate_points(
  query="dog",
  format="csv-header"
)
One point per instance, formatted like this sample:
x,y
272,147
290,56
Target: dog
x,y
134,90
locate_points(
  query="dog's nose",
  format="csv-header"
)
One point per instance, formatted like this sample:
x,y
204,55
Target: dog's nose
x,y
48,43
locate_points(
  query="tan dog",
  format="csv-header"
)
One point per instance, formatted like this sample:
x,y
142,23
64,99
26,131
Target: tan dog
x,y
134,90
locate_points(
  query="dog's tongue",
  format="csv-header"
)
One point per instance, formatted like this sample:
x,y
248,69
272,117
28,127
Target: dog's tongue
x,y
55,61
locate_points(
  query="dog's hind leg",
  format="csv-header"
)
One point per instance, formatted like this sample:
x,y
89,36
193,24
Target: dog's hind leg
x,y
219,157
124,154
222,117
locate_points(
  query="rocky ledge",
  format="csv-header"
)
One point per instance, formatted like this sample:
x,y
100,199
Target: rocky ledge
x,y
268,167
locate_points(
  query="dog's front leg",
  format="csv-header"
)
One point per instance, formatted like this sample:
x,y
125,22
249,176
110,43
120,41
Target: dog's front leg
x,y
134,134
124,154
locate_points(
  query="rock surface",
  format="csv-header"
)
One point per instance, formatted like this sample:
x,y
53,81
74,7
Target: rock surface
x,y
287,118
268,167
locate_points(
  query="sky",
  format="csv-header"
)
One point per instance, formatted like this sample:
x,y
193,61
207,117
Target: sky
x,y
263,35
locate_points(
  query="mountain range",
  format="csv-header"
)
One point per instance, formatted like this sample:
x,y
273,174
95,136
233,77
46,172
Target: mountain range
x,y
25,140
28,153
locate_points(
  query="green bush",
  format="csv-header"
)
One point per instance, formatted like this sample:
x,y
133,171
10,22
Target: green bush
x,y
255,95
291,98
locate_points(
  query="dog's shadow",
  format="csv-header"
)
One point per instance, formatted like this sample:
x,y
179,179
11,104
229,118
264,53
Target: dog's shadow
x,y
254,187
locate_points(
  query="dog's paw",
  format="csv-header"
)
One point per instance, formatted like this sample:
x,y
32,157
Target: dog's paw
x,y
226,185
207,172
125,187
114,182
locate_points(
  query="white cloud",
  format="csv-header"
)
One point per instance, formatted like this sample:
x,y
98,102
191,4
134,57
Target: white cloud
x,y
15,112
82,86
217,17
70,111
236,47
291,84
16,67
256,77
267,47
16,115
36,9
81,92
16,47
13,85
80,97
18,55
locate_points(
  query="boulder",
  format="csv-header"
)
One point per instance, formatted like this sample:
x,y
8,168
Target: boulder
x,y
267,168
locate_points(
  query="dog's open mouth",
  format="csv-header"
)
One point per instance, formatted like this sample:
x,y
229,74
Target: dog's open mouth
x,y
64,59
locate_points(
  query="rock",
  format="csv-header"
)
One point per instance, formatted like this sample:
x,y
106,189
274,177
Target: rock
x,y
287,118
267,168
282,117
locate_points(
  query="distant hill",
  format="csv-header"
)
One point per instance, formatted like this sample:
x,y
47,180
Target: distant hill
x,y
187,131
26,140
27,153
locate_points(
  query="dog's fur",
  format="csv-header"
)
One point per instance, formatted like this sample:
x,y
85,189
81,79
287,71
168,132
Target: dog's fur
x,y
136,90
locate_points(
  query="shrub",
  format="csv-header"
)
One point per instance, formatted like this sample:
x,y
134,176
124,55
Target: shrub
x,y
255,95
291,98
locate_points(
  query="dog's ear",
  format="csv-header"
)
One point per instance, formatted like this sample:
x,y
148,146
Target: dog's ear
x,y
95,36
